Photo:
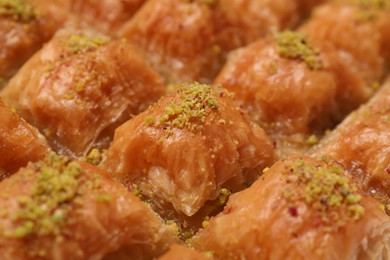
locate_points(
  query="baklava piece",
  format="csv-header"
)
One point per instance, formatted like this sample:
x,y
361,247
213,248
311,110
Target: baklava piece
x,y
104,15
189,148
301,208
62,209
177,38
238,22
356,41
345,62
188,41
80,87
24,26
283,83
361,145
19,143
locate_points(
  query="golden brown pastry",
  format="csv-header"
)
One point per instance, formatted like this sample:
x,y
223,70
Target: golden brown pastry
x,y
177,38
298,84
180,252
361,145
282,82
24,26
19,143
187,40
240,22
103,15
356,41
301,208
62,209
79,87
187,147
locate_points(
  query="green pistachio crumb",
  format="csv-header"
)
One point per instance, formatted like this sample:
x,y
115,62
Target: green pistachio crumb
x,y
149,120
312,140
195,102
208,254
45,209
205,222
293,45
325,188
375,4
370,9
94,157
223,196
79,87
104,197
18,10
79,43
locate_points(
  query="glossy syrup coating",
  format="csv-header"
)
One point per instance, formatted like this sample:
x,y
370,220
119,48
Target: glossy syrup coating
x,y
79,87
62,209
177,38
19,143
104,15
361,145
188,41
187,147
24,26
240,22
356,41
296,106
299,209
284,84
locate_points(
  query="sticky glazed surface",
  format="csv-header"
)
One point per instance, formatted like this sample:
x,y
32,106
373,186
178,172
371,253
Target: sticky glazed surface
x,y
59,209
110,14
24,26
361,145
189,40
355,44
297,103
79,87
20,143
240,22
187,147
186,170
299,209
176,37
286,96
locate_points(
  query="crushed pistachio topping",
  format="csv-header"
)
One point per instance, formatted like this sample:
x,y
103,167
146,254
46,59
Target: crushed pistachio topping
x,y
86,76
80,43
208,254
190,111
205,222
104,197
224,195
18,10
375,4
94,157
326,189
44,211
294,45
312,140
57,185
370,9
